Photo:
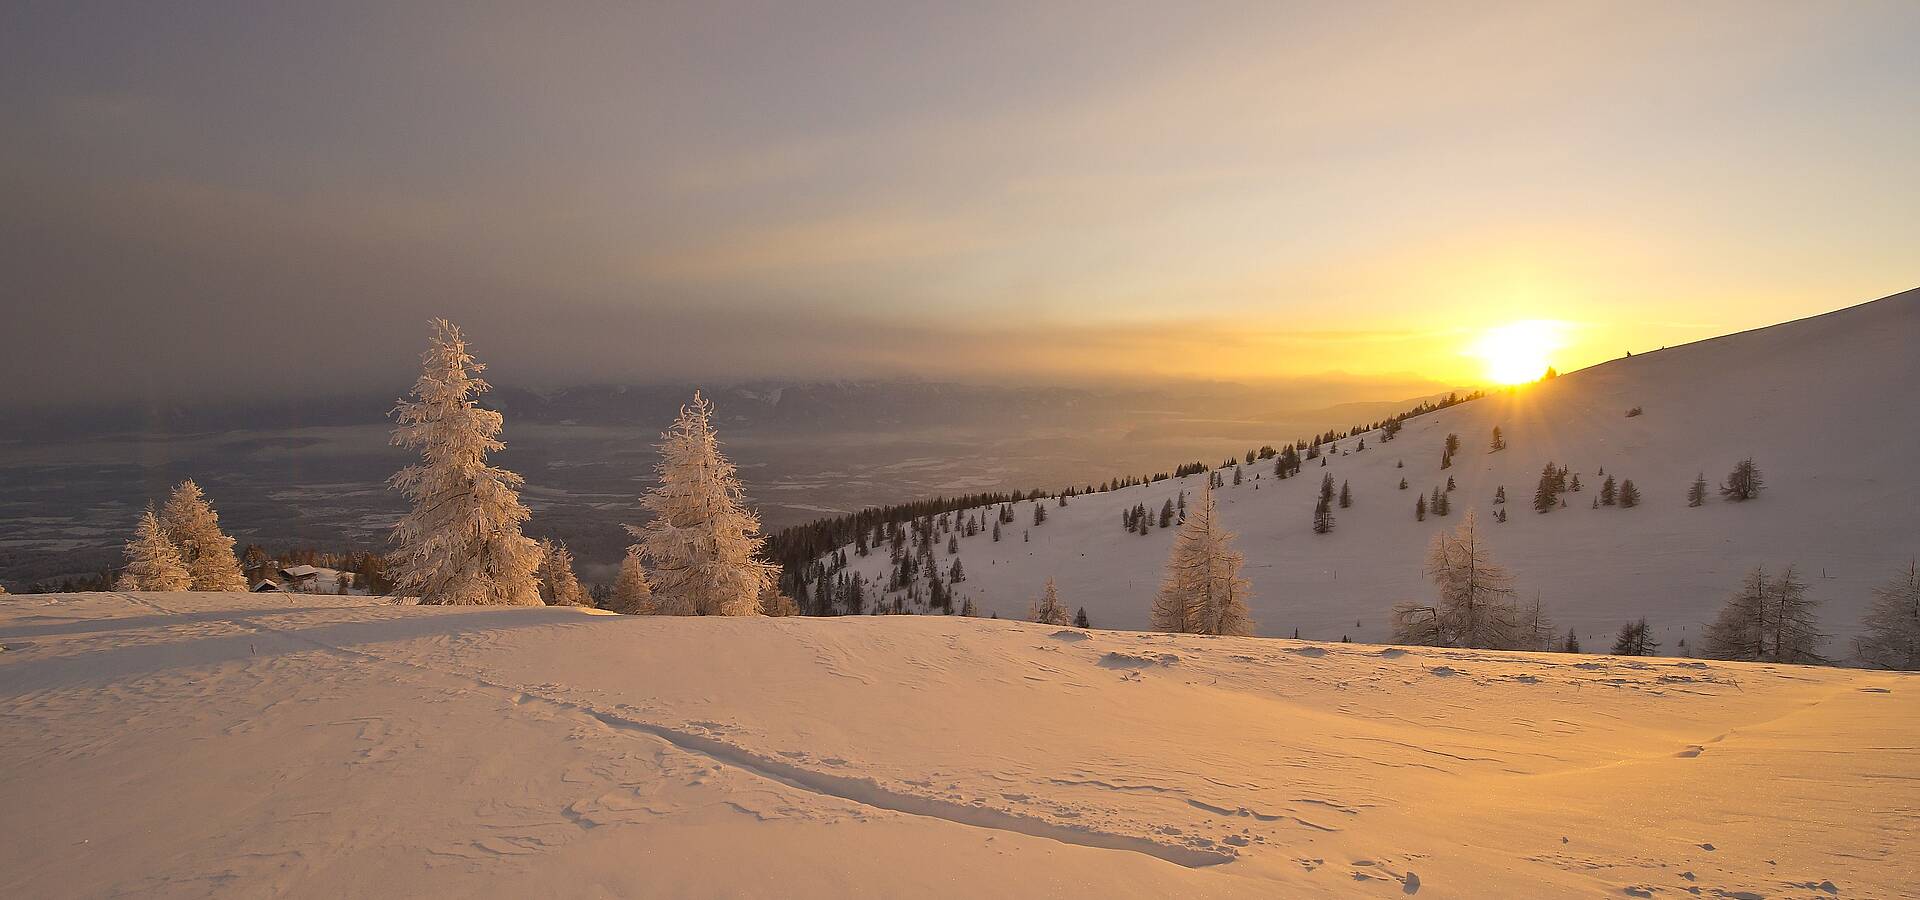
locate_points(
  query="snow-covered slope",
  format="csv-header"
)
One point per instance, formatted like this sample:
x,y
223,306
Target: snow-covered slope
x,y
272,745
1826,406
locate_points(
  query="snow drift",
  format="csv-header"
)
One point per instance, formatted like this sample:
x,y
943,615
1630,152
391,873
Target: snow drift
x,y
259,745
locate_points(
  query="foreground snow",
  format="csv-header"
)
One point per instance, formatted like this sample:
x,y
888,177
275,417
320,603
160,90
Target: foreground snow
x,y
257,745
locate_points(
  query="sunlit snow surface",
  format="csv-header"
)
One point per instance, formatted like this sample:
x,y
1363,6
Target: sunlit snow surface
x,y
265,745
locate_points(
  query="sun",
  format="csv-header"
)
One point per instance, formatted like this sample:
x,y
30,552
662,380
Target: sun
x,y
1517,352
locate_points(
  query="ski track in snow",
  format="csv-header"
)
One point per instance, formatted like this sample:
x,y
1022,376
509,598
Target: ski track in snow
x,y
1306,768
863,791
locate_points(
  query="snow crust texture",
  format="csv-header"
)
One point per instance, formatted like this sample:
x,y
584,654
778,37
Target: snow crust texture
x,y
238,745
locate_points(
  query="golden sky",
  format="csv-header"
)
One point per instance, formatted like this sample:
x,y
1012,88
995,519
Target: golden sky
x,y
982,190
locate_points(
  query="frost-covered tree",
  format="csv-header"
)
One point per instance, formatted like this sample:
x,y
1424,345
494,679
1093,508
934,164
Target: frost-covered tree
x,y
1609,491
194,528
632,592
153,563
558,585
1346,494
1475,605
1743,483
1080,619
1890,632
703,545
461,544
1047,610
779,605
1499,443
1697,492
1203,592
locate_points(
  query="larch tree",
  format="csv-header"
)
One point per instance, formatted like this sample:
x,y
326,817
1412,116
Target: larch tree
x,y
1739,631
1047,610
702,546
1793,625
1475,607
632,593
1697,492
1533,629
1768,620
153,563
461,544
1743,483
1202,592
1635,639
194,528
1890,632
558,584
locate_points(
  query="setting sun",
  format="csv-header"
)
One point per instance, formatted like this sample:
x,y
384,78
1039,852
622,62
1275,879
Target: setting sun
x,y
1517,352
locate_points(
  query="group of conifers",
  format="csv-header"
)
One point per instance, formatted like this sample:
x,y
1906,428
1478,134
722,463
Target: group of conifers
x,y
462,544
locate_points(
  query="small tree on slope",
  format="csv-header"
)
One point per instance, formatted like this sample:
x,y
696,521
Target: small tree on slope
x,y
1743,483
703,544
193,527
1635,639
632,594
1047,610
1767,620
153,564
558,585
1476,607
1202,592
461,544
1890,636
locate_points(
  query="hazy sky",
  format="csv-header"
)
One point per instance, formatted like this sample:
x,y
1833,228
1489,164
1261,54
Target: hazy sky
x,y
220,198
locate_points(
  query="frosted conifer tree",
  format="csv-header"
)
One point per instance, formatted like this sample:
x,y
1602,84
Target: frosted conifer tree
x,y
1475,607
632,593
1891,629
1203,592
1047,610
153,563
558,585
461,544
194,528
702,546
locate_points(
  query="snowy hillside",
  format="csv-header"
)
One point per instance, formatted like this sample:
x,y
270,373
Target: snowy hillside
x,y
265,745
1826,407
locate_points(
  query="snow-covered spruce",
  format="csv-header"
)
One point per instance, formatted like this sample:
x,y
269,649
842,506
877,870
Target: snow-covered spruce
x,y
632,592
558,585
461,544
194,528
702,547
153,563
1203,592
